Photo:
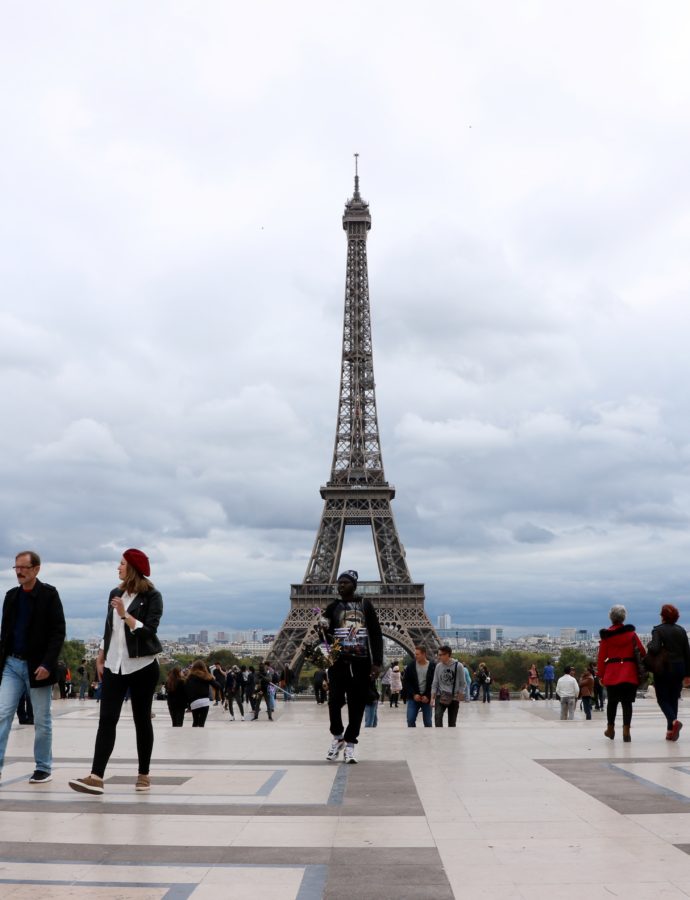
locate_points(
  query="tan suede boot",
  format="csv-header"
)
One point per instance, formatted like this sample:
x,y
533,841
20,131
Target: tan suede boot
x,y
610,732
626,734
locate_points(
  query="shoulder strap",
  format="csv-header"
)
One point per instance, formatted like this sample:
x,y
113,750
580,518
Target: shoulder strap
x,y
455,675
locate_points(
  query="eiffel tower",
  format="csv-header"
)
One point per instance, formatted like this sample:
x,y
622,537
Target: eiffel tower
x,y
357,493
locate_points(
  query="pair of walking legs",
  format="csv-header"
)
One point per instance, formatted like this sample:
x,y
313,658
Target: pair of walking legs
x,y
348,683
141,685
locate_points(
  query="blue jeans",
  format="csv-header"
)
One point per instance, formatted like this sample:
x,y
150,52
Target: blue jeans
x,y
587,706
413,707
15,680
371,714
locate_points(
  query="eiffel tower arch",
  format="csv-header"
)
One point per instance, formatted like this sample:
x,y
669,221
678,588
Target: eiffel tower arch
x,y
357,493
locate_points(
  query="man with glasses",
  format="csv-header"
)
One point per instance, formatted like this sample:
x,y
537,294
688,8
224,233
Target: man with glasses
x,y
31,637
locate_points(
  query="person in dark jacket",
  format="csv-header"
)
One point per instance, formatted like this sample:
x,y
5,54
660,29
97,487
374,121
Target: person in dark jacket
x,y
250,686
416,694
176,696
669,645
233,692
31,637
617,669
127,661
320,686
353,622
198,686
262,691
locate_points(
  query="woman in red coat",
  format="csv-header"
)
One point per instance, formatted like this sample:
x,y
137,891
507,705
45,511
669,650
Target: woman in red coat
x,y
617,669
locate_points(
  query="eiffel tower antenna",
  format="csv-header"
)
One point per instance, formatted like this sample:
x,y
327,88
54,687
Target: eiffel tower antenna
x,y
357,493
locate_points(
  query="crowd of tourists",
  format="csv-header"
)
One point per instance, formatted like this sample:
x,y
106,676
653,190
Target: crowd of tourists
x,y
198,686
32,633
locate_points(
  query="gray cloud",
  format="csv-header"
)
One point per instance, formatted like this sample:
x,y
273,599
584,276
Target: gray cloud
x,y
172,285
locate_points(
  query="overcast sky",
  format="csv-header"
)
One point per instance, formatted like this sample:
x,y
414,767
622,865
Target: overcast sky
x,y
172,269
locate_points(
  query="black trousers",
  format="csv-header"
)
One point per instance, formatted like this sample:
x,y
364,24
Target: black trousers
x,y
668,686
141,686
624,694
237,698
439,710
176,714
348,682
199,716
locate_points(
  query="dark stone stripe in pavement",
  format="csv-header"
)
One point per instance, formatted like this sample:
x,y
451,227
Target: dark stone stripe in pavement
x,y
369,858
624,792
150,808
387,788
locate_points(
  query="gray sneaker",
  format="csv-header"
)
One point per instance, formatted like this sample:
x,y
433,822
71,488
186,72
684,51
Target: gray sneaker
x,y
337,744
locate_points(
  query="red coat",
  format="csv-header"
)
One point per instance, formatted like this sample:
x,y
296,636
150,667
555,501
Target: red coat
x,y
618,642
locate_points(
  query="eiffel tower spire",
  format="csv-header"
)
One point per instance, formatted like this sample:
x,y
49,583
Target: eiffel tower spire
x,y
357,493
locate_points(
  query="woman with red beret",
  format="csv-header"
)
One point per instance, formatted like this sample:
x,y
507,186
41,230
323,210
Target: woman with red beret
x,y
127,661
670,656
617,668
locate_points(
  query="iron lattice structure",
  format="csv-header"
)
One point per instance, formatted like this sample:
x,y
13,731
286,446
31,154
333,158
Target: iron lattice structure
x,y
357,493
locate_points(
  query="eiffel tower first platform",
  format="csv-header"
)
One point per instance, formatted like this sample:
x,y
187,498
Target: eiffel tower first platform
x,y
357,493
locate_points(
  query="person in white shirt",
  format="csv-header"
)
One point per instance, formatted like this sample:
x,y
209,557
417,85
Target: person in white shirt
x,y
127,661
568,690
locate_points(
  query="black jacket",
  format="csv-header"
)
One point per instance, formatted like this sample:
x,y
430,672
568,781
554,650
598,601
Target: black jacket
x,y
411,681
197,688
46,630
673,638
147,607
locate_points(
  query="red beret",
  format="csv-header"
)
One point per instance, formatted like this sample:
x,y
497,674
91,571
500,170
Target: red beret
x,y
138,561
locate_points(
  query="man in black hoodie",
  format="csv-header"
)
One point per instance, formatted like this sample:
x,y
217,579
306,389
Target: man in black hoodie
x,y
354,623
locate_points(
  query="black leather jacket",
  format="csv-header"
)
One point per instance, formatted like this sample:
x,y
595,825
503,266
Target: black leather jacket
x,y
674,639
147,607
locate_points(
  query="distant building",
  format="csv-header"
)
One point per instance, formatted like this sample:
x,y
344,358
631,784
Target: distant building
x,y
203,637
574,635
250,648
444,621
221,637
479,634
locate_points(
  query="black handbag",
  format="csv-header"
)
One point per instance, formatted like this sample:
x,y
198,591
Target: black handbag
x,y
642,673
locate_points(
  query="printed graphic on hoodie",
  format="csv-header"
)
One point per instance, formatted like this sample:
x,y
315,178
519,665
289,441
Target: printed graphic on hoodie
x,y
351,631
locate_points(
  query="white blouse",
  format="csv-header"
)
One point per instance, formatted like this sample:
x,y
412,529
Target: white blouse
x,y
118,660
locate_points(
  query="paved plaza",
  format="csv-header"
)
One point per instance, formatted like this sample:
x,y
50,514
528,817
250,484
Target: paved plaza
x,y
511,804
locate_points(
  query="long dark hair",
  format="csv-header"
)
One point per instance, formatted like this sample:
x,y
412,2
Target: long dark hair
x,y
174,679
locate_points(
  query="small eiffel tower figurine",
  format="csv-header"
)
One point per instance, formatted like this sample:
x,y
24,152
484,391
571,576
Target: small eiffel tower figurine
x,y
357,492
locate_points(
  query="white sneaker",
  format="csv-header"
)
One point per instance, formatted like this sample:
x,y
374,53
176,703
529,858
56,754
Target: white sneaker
x,y
337,744
241,718
349,755
232,718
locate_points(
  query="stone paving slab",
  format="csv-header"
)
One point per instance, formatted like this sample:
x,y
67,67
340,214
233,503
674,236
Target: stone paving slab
x,y
513,803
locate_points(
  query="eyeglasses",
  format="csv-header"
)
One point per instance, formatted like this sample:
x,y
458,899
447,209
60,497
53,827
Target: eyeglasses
x,y
23,568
